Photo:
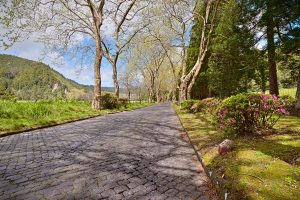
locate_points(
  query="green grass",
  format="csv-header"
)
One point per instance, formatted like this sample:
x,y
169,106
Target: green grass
x,y
19,116
259,167
286,91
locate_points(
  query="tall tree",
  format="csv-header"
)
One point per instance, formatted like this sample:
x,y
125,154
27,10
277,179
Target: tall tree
x,y
231,64
274,18
123,13
208,19
147,57
179,15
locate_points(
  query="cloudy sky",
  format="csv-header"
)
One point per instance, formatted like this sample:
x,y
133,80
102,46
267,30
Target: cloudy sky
x,y
82,74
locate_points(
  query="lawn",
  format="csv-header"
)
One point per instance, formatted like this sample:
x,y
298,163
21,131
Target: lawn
x,y
20,116
286,91
259,167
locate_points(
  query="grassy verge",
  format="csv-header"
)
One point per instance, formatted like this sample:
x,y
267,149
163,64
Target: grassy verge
x,y
259,167
21,116
286,91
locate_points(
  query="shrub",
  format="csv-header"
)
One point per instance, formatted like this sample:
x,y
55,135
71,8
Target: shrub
x,y
187,105
208,106
109,101
248,113
290,107
123,102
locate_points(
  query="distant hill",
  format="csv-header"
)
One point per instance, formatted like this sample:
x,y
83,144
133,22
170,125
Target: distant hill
x,y
31,80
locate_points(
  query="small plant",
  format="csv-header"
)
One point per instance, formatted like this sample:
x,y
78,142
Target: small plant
x,y
208,106
249,113
188,104
123,102
109,101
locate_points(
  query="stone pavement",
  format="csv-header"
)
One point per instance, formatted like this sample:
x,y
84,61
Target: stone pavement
x,y
137,154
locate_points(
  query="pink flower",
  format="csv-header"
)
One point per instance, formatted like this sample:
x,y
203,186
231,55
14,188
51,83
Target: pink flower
x,y
265,98
275,97
265,106
282,110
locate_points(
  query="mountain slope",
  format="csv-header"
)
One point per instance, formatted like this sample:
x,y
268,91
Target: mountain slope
x,y
31,80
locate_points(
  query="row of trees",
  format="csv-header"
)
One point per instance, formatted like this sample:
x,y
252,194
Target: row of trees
x,y
234,63
171,49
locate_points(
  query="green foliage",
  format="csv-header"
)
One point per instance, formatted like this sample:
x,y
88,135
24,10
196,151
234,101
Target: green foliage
x,y
207,106
251,113
188,104
123,102
231,66
109,101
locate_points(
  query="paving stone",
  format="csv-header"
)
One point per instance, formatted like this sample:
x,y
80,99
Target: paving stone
x,y
129,155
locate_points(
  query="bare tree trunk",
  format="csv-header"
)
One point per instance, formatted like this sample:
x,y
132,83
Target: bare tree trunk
x,y
96,104
271,52
183,89
97,14
184,84
191,84
158,98
188,81
129,94
174,92
115,77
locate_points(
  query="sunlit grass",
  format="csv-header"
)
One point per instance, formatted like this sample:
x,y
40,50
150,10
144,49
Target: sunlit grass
x,y
259,167
286,91
18,116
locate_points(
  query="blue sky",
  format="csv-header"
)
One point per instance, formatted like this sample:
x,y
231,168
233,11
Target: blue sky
x,y
82,74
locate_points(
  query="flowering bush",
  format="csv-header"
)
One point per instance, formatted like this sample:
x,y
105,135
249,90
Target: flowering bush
x,y
187,105
209,106
248,113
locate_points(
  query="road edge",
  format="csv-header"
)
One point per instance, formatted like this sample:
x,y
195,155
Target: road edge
x,y
217,184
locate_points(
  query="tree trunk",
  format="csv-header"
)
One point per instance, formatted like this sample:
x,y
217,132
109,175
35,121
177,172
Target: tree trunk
x,y
174,92
96,104
129,95
263,78
198,65
183,85
158,96
188,81
97,14
115,77
271,52
183,90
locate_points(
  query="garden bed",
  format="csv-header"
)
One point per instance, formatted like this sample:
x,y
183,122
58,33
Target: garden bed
x,y
259,167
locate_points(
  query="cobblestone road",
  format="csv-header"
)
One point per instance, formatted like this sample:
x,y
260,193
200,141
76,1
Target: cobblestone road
x,y
131,155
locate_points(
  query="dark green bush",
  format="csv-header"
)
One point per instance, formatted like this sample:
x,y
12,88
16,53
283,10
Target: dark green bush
x,y
109,101
188,104
123,102
208,106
